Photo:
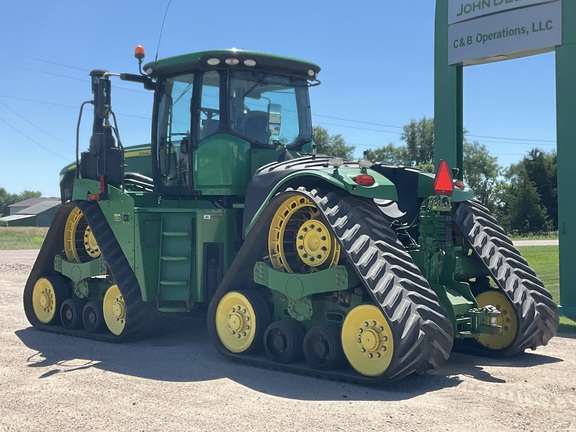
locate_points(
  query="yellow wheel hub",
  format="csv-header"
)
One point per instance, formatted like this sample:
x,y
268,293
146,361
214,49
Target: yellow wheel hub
x,y
44,300
79,242
298,241
367,340
313,243
507,320
90,244
236,322
114,309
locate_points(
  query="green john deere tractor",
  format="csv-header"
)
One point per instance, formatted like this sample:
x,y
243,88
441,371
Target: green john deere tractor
x,y
344,269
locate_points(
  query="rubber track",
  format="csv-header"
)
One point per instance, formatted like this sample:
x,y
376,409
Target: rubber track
x,y
536,312
421,327
140,315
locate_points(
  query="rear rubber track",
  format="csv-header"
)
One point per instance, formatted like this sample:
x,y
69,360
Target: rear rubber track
x,y
140,315
421,327
537,313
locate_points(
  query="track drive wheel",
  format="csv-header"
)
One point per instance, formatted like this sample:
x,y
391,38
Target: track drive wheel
x,y
241,319
92,317
47,296
283,341
367,340
71,313
322,347
79,242
114,310
298,241
507,320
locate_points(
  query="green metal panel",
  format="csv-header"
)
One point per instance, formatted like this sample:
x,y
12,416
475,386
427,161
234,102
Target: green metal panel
x,y
137,158
147,246
118,210
220,166
566,147
342,178
426,188
261,157
214,227
448,98
297,286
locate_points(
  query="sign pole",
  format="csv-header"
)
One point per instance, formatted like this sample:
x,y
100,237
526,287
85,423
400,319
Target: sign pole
x,y
448,98
566,157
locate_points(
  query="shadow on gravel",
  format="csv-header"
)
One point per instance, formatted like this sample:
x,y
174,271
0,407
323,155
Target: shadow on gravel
x,y
185,354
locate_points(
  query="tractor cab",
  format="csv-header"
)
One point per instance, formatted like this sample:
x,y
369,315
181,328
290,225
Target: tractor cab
x,y
220,115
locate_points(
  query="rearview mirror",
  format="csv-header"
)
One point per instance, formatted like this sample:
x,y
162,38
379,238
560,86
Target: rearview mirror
x,y
274,118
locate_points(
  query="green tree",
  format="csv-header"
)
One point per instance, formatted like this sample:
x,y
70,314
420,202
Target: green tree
x,y
389,154
523,211
419,138
5,201
481,171
331,145
541,170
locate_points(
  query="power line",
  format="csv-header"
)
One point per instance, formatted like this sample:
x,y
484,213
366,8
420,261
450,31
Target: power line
x,y
514,139
43,61
32,140
358,121
36,126
69,106
37,101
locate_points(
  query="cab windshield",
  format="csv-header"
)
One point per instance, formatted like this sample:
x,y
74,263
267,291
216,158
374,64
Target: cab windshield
x,y
269,109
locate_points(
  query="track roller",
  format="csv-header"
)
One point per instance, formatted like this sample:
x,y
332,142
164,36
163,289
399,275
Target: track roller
x,y
283,341
322,347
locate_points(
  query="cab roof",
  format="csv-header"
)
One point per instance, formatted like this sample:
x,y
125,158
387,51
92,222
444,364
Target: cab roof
x,y
263,61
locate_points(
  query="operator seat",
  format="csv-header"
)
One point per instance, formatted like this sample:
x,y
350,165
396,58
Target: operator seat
x,y
256,127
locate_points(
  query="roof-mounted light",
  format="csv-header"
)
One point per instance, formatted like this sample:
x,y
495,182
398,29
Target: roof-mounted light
x,y
336,162
443,183
250,62
213,61
365,163
231,61
311,73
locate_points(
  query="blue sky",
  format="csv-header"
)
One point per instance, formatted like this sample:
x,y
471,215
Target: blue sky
x,y
377,73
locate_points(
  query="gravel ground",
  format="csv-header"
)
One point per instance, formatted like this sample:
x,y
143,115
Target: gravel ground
x,y
50,382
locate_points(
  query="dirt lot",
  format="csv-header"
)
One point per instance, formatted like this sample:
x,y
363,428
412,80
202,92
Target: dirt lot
x,y
57,383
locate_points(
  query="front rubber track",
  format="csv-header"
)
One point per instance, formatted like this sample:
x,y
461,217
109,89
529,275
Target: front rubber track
x,y
140,315
536,312
422,330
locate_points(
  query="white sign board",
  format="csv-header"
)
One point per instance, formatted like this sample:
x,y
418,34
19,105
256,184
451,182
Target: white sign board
x,y
462,10
509,34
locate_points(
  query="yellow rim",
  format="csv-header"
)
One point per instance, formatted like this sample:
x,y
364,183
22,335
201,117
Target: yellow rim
x,y
90,243
114,310
298,241
78,238
507,320
236,322
367,340
44,300
70,231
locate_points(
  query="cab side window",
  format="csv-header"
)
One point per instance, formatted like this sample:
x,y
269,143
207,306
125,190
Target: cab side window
x,y
209,105
173,139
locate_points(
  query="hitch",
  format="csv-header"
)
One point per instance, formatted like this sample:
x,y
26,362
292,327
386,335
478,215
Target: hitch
x,y
484,320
